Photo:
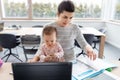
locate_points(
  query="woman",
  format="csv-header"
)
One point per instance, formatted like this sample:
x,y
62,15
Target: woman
x,y
68,32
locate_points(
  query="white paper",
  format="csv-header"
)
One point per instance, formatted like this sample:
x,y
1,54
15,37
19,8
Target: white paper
x,y
97,64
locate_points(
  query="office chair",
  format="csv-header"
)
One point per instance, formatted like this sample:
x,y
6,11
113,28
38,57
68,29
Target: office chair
x,y
9,41
29,44
89,38
37,26
97,38
31,41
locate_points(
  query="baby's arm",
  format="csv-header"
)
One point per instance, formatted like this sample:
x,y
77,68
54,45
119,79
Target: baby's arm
x,y
37,55
60,52
35,59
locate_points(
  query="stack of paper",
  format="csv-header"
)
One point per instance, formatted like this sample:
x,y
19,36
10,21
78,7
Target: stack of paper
x,y
97,64
93,68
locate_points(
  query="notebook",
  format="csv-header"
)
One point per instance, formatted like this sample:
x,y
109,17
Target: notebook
x,y
42,71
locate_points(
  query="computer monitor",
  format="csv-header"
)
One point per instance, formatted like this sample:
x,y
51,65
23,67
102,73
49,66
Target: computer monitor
x,y
42,71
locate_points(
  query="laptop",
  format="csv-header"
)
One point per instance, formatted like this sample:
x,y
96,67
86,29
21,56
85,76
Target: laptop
x,y
42,71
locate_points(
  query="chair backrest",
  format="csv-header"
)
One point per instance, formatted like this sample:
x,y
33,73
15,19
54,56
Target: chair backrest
x,y
88,37
97,38
102,30
8,40
37,26
30,39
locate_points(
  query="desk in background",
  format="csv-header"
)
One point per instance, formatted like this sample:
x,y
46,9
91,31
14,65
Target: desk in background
x,y
89,30
38,31
23,31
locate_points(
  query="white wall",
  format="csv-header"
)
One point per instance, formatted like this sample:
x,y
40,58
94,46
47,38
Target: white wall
x,y
29,23
91,23
113,33
24,23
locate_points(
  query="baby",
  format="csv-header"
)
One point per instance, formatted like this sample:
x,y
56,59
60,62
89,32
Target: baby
x,y
50,50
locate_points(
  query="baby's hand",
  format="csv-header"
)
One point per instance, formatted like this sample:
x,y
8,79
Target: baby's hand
x,y
51,58
47,58
32,60
35,59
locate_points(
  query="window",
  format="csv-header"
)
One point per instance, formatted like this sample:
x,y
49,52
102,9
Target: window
x,y
14,8
88,8
117,10
44,9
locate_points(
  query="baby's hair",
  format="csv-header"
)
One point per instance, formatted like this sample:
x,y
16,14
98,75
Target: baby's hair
x,y
49,30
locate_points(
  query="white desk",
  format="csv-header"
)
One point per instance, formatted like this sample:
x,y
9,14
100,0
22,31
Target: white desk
x,y
38,31
6,69
23,31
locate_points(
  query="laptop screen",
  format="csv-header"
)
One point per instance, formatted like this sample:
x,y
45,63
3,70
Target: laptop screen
x,y
42,71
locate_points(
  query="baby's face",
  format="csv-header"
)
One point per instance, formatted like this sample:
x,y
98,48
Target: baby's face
x,y
50,40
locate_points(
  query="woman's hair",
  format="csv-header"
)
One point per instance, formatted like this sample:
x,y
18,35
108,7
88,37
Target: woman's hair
x,y
66,5
49,30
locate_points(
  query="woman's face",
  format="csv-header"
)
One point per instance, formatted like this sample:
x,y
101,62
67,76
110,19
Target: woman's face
x,y
64,18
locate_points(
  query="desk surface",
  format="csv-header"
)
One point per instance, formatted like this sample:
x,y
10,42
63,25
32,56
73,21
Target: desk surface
x,y
6,69
5,72
23,31
116,71
89,30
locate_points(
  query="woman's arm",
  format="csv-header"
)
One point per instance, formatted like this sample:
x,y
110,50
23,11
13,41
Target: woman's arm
x,y
84,45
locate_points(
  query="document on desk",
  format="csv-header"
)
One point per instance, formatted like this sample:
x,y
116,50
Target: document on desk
x,y
81,71
97,64
86,69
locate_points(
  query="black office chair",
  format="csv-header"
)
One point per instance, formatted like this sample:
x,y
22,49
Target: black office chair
x,y
29,44
89,38
97,38
9,41
37,26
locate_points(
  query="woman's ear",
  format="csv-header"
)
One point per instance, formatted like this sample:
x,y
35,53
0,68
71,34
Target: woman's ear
x,y
58,13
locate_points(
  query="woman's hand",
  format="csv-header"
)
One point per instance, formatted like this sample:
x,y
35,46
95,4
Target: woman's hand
x,y
90,53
